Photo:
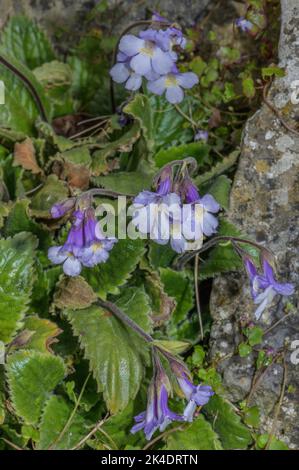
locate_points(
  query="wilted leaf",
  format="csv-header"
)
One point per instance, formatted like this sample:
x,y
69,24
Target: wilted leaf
x,y
73,293
53,191
44,333
24,156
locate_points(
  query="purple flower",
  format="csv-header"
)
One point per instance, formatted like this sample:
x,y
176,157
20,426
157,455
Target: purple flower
x,y
201,216
173,84
243,24
67,255
157,414
264,287
154,212
145,55
61,208
85,245
96,246
121,72
157,17
201,135
197,395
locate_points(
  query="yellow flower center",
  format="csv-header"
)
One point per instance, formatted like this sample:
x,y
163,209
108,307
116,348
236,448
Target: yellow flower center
x,y
171,80
148,49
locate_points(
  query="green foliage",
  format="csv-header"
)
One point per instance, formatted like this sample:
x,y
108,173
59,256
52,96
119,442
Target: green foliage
x,y
32,376
67,360
107,278
197,436
56,414
179,286
26,42
115,353
232,432
16,278
222,258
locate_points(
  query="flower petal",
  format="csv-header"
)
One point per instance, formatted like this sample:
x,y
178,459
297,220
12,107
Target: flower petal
x,y
161,61
119,72
141,64
187,80
134,82
72,266
130,44
157,86
209,203
56,255
174,94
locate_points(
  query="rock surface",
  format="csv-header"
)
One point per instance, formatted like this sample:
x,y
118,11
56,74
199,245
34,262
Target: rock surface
x,y
264,204
71,13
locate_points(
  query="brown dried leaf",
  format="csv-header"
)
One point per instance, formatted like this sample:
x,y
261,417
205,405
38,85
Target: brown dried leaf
x,y
73,293
24,156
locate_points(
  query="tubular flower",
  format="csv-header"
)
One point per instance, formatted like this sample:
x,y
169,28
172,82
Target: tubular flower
x,y
152,55
157,414
85,245
264,287
197,395
155,211
68,254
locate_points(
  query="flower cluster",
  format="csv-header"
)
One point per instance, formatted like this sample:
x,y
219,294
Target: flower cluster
x,y
85,244
151,56
175,213
245,25
264,287
157,414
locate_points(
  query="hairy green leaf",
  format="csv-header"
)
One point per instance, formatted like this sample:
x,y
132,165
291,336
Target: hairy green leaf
x,y
197,436
108,277
115,352
26,42
54,418
32,376
16,279
233,433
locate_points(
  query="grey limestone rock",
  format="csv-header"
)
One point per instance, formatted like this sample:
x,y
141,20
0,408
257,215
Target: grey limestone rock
x,y
264,204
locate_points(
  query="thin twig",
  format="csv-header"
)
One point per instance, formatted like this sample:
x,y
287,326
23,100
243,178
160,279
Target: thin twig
x,y
29,86
275,110
257,381
125,319
221,238
11,444
125,31
277,411
71,417
164,434
184,115
196,267
91,433
276,323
